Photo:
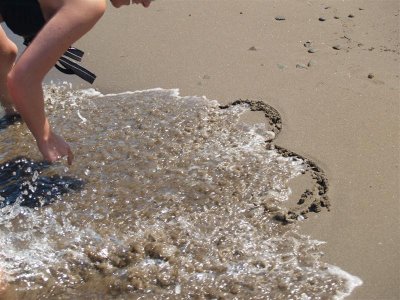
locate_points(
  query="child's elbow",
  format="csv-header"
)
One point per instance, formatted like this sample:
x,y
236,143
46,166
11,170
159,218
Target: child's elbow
x,y
17,81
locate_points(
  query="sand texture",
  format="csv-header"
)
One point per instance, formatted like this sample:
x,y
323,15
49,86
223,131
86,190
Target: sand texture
x,y
331,69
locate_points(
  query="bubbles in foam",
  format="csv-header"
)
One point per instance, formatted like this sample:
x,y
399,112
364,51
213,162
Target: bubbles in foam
x,y
175,204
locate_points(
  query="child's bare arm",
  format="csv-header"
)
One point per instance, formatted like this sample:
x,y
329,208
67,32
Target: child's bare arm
x,y
72,20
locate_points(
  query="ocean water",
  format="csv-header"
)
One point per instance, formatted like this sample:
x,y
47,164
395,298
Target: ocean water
x,y
169,197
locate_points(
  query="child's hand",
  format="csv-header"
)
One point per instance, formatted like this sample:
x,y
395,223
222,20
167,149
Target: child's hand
x,y
55,148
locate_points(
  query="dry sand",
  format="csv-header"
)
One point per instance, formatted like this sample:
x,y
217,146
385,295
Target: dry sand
x,y
332,111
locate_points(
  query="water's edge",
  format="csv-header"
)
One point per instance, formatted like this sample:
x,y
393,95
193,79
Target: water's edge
x,y
179,199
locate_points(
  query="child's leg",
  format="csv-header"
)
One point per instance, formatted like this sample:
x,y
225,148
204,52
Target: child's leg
x,y
8,53
71,20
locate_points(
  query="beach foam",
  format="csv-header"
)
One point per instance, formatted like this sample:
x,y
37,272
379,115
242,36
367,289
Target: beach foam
x,y
180,200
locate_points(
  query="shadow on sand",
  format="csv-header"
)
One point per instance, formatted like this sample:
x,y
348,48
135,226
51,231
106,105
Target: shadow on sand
x,y
20,180
6,121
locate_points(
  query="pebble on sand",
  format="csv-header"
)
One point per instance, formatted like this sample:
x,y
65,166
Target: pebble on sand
x,y
336,17
351,16
311,63
252,48
371,75
280,18
337,47
322,19
301,66
307,44
312,50
281,66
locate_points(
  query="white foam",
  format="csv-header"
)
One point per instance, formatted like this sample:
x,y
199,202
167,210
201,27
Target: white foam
x,y
90,92
84,120
171,92
351,281
214,148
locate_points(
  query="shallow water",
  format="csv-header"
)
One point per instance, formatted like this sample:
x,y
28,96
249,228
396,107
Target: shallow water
x,y
180,200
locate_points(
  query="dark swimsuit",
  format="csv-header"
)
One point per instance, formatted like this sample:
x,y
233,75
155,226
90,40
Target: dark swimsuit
x,y
25,18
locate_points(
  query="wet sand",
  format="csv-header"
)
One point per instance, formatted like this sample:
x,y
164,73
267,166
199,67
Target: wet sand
x,y
340,106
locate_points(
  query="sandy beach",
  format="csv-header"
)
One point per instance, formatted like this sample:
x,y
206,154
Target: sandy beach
x,y
331,68
332,111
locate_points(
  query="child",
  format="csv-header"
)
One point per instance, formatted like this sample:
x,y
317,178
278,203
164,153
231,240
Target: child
x,y
54,26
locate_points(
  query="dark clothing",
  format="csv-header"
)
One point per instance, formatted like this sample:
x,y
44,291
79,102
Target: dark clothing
x,y
23,17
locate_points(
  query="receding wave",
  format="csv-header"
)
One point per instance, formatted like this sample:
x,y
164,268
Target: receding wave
x,y
174,197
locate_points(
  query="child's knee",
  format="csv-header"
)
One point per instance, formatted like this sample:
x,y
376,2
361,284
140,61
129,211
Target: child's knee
x,y
87,12
8,53
95,9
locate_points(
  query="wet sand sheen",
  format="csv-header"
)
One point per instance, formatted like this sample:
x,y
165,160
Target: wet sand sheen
x,y
332,111
181,200
330,108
